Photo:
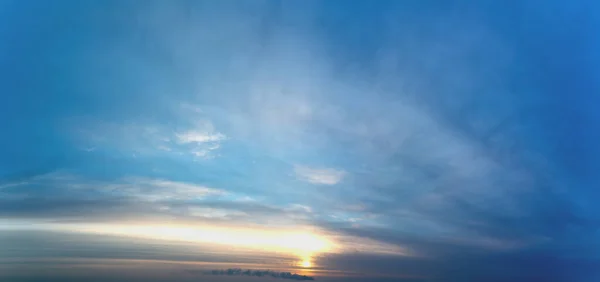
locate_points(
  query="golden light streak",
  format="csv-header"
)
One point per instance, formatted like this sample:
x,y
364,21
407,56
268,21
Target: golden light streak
x,y
302,242
294,242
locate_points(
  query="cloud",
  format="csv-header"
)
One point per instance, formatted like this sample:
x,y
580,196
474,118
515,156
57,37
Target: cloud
x,y
11,184
259,273
202,140
64,196
324,176
205,151
208,212
160,189
302,208
195,136
62,185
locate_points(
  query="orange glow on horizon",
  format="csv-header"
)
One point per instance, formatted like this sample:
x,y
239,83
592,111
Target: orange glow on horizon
x,y
301,242
298,243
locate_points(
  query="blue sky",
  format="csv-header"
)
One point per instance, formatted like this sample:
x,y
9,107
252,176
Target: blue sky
x,y
448,140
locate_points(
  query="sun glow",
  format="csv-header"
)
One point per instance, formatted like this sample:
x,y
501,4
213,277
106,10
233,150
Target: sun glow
x,y
306,260
292,242
306,263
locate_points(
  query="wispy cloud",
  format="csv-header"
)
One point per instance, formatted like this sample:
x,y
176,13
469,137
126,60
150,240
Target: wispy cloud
x,y
216,213
140,188
196,136
72,198
161,190
11,184
324,176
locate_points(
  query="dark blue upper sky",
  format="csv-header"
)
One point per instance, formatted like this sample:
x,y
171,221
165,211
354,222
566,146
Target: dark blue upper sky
x,y
455,140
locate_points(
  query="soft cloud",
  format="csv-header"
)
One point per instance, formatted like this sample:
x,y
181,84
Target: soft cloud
x,y
139,188
64,195
162,190
302,208
7,185
205,151
324,176
202,140
216,213
195,136
198,139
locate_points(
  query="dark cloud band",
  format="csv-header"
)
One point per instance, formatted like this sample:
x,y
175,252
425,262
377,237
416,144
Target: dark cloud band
x,y
259,273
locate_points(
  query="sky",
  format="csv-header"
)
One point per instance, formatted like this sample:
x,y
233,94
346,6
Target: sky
x,y
342,140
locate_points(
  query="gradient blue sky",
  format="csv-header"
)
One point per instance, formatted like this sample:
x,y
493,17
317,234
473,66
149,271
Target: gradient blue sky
x,y
436,140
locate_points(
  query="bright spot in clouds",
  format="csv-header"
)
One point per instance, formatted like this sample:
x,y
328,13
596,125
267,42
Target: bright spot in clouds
x,y
306,263
291,242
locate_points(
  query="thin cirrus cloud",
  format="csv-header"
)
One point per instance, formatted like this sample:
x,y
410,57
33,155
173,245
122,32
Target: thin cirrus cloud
x,y
324,176
58,184
203,131
198,139
160,189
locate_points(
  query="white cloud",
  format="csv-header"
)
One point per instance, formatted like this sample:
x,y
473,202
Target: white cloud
x,y
159,189
195,136
139,188
201,153
325,176
205,151
164,148
198,139
300,208
215,213
7,185
203,132
203,139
